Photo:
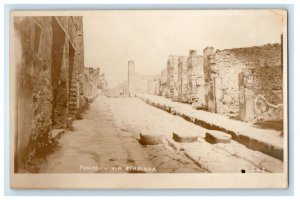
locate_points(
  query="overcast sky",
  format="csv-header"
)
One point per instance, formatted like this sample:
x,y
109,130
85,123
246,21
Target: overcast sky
x,y
111,38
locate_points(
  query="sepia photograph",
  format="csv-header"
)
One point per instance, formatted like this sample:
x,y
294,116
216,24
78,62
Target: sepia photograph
x,y
149,99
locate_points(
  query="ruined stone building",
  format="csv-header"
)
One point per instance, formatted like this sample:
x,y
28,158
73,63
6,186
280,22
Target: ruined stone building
x,y
153,85
102,83
137,83
93,82
235,77
120,90
50,86
241,83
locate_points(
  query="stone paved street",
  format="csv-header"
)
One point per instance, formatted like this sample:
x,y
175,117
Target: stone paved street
x,y
104,142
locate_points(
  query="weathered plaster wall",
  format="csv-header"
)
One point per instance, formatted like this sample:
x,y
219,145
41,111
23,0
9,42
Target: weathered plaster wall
x,y
34,92
92,76
46,66
222,69
261,93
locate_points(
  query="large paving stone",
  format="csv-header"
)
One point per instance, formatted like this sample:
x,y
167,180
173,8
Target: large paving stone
x,y
171,164
160,160
187,135
188,132
150,139
207,158
182,138
215,137
262,161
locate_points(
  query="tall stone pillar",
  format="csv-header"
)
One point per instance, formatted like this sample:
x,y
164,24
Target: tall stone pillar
x,y
131,72
182,79
209,82
246,94
173,77
192,69
200,84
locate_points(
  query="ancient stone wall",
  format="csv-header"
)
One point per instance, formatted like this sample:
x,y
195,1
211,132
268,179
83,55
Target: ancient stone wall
x,y
137,83
200,85
92,76
226,81
191,70
172,68
261,93
153,85
222,69
34,91
131,78
47,65
102,84
183,84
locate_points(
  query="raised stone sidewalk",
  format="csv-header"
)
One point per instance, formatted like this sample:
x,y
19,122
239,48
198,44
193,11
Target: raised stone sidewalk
x,y
267,141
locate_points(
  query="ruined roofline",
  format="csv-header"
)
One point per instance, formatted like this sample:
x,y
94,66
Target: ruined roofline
x,y
176,56
244,48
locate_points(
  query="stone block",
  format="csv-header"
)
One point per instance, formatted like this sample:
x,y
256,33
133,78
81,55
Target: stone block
x,y
215,137
150,139
182,138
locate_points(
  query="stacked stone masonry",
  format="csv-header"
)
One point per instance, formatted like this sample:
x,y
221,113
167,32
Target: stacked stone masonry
x,y
241,83
50,82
